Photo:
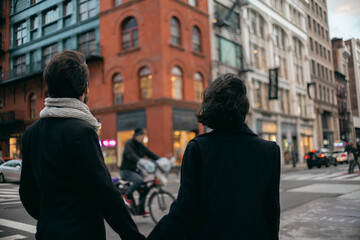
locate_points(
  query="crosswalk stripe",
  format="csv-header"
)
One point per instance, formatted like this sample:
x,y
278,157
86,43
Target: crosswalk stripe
x,y
344,177
18,225
13,237
329,176
10,203
9,196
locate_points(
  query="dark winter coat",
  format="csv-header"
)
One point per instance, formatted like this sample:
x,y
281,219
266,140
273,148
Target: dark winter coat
x,y
133,151
229,189
66,186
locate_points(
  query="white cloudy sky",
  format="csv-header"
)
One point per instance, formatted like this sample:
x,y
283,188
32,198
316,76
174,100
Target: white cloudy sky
x,y
344,18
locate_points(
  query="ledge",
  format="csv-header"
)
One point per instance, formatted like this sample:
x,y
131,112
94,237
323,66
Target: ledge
x,y
178,47
128,51
199,54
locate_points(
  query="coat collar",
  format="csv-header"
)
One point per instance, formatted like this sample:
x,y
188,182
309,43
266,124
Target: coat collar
x,y
243,129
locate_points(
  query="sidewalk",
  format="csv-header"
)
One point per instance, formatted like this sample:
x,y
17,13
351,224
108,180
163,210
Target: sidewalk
x,y
289,167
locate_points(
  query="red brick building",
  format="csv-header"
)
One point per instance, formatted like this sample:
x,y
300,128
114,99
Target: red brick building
x,y
156,62
149,60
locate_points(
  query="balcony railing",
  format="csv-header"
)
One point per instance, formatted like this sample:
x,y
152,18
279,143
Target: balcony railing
x,y
12,116
91,52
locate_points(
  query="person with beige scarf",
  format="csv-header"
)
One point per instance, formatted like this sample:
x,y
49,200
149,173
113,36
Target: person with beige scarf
x,y
65,184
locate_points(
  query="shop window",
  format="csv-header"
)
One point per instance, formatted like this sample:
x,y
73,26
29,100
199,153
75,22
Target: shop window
x,y
129,33
87,43
20,65
175,31
180,141
118,89
87,9
145,83
50,16
177,83
20,34
199,86
14,146
196,37
49,52
32,106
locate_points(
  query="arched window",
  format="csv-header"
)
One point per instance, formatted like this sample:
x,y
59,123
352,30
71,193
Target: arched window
x,y
129,33
118,89
196,37
199,86
177,85
32,106
175,31
193,3
145,83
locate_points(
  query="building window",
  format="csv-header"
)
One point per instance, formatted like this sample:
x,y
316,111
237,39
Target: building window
x,y
49,52
129,33
175,31
329,56
87,43
177,83
33,106
257,86
253,22
222,11
193,3
255,56
20,34
118,2
196,37
199,86
227,52
35,22
20,65
35,1
297,47
118,89
314,24
68,8
309,21
318,69
145,83
313,67
316,47
279,37
51,16
311,44
87,9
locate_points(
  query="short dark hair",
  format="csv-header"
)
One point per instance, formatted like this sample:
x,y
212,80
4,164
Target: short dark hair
x,y
225,103
66,74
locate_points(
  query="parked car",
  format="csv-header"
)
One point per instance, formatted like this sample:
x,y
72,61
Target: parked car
x,y
340,156
316,158
328,154
10,171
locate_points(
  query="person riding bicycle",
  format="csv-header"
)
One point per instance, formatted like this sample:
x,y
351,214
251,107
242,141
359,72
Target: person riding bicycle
x,y
134,150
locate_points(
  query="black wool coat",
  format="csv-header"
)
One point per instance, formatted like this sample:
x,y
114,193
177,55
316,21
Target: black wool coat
x,y
66,186
229,189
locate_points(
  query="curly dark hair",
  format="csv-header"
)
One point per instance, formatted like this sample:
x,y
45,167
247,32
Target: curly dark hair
x,y
225,103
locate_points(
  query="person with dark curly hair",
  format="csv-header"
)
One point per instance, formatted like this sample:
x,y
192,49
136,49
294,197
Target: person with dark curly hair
x,y
230,177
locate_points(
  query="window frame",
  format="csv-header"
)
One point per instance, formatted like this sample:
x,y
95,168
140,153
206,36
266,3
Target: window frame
x,y
132,31
175,31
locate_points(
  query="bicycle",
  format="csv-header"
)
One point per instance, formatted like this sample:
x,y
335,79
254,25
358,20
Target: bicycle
x,y
159,201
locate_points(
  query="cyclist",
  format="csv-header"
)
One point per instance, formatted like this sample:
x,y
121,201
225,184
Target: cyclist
x,y
134,150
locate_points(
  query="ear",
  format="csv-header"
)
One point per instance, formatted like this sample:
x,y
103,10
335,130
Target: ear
x,y
86,91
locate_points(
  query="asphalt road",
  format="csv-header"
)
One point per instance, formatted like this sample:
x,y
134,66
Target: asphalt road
x,y
316,204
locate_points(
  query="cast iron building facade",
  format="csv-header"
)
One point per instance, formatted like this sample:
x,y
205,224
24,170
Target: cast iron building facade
x,y
323,82
259,36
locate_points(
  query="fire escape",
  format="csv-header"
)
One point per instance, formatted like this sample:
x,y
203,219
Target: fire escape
x,y
225,23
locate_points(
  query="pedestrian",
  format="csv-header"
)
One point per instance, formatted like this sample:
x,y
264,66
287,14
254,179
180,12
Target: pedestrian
x,y
229,186
351,151
65,184
134,150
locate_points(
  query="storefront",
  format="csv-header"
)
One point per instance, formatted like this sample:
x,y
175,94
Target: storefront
x,y
185,127
125,124
307,141
266,130
289,143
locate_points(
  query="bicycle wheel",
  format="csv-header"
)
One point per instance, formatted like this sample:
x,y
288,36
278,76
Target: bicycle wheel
x,y
159,204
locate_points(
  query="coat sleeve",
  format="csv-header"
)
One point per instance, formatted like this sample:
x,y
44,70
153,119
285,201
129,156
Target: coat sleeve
x,y
273,204
89,165
184,210
28,191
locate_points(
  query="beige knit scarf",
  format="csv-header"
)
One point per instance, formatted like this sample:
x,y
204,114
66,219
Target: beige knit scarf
x,y
69,108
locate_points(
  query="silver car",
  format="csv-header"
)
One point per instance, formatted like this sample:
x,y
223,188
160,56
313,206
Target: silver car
x,y
10,171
